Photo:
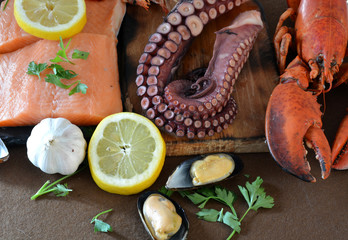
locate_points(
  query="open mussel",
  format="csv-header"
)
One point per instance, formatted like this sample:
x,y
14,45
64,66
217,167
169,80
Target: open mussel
x,y
162,217
204,170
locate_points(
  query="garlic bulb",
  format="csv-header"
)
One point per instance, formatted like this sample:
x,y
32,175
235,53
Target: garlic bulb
x,y
56,146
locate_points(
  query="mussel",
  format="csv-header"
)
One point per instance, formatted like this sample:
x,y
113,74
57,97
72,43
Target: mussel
x,y
4,154
162,217
203,170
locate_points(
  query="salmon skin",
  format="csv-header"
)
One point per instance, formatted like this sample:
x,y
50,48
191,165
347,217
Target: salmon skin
x,y
103,17
25,100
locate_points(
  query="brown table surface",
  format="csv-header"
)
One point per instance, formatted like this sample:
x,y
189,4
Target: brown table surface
x,y
302,210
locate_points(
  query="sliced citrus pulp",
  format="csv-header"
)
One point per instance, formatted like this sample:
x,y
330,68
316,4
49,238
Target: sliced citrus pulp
x,y
51,19
126,153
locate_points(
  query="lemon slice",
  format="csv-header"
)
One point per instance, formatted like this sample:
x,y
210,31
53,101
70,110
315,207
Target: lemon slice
x,y
50,19
126,153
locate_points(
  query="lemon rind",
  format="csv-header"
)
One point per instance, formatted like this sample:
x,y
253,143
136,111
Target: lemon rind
x,y
74,26
140,181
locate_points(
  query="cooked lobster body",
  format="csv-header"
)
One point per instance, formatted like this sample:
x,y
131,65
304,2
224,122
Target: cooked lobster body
x,y
293,114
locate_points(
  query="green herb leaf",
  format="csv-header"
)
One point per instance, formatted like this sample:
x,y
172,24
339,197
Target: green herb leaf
x,y
198,199
61,55
62,190
232,221
99,225
56,80
61,72
210,215
80,87
255,195
36,69
207,191
3,9
166,191
77,54
228,197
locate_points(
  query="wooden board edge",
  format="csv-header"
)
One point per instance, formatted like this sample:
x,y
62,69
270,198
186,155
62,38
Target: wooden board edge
x,y
240,145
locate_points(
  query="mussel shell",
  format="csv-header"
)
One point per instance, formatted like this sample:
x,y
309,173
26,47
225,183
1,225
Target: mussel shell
x,y
181,179
4,154
183,231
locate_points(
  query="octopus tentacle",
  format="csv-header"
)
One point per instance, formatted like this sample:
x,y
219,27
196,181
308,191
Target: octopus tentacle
x,y
200,106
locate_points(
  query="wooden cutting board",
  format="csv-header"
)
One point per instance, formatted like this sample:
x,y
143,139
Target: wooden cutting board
x,y
252,89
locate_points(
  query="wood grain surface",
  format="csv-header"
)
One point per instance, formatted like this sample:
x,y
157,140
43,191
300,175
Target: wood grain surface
x,y
252,89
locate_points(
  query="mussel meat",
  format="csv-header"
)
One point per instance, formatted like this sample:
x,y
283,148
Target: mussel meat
x,y
162,217
204,170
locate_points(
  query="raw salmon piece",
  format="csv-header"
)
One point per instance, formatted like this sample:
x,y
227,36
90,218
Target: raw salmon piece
x,y
103,17
25,100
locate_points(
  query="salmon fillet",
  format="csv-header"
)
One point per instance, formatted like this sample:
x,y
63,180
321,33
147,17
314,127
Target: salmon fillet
x,y
103,17
25,100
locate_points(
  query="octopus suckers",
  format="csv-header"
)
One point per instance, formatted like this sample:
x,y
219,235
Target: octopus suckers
x,y
186,9
204,17
195,24
198,4
230,71
201,104
141,91
212,13
227,77
174,18
222,9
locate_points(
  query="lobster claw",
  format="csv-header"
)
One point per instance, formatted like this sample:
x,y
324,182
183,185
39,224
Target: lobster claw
x,y
294,115
340,146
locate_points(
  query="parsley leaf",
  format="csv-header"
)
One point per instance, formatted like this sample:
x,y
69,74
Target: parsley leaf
x,y
231,220
59,72
166,191
36,69
253,193
99,225
59,190
80,87
56,80
3,9
61,54
210,215
77,54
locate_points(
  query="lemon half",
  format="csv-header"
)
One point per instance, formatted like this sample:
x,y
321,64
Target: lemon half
x,y
51,19
126,153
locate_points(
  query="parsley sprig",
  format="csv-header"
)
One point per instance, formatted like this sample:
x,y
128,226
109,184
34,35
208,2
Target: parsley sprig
x,y
99,225
60,190
253,193
3,9
58,72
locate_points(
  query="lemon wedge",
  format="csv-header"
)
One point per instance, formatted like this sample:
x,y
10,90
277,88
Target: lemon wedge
x,y
50,19
126,153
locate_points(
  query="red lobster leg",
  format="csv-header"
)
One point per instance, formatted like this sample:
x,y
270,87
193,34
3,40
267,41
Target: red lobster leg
x,y
340,147
294,115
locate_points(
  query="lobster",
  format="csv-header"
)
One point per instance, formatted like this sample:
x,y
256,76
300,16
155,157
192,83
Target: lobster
x,y
293,115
